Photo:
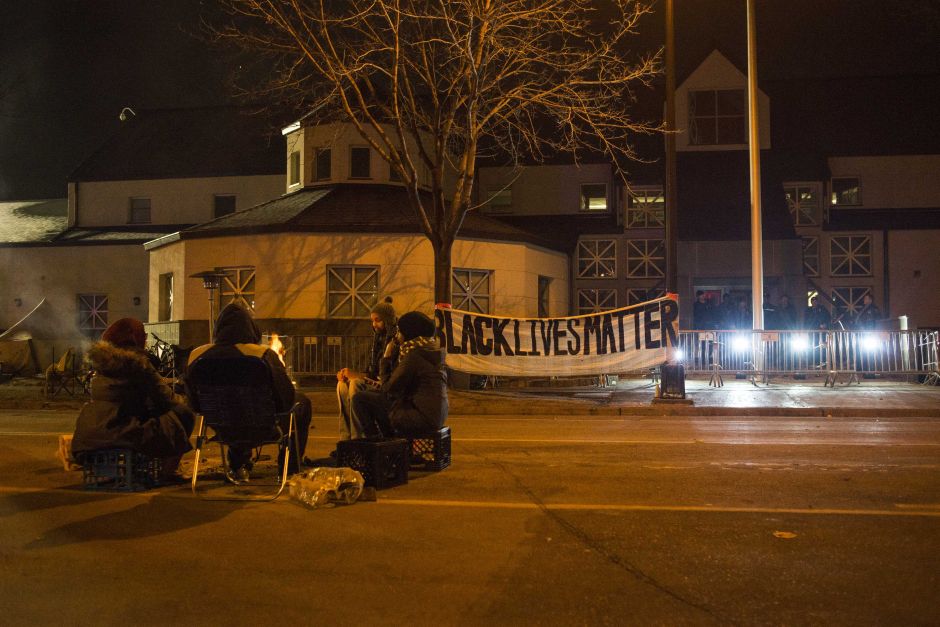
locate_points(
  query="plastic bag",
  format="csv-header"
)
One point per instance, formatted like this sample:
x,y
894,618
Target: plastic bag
x,y
325,487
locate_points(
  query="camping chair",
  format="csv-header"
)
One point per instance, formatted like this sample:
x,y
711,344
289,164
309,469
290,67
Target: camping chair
x,y
235,397
63,375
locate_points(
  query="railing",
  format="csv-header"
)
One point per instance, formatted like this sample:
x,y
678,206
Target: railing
x,y
755,353
768,353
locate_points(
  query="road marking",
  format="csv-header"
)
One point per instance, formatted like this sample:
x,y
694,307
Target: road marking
x,y
931,511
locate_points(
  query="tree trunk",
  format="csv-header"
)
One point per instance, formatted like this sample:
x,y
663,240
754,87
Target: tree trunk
x,y
442,270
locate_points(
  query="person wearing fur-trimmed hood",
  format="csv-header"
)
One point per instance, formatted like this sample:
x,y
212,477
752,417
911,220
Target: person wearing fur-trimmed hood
x,y
131,405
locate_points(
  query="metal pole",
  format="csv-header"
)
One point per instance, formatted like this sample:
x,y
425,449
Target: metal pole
x,y
211,312
753,128
672,254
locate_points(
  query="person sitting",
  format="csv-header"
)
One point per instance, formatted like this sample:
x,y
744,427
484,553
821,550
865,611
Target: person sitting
x,y
131,405
350,383
412,399
236,334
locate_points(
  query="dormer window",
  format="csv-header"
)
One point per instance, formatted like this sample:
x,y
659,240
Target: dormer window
x,y
294,168
594,197
716,117
846,191
324,165
359,166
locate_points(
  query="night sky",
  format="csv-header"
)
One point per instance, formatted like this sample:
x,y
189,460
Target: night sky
x,y
67,67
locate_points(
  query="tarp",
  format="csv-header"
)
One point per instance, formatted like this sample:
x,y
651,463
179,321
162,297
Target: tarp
x,y
619,340
46,331
15,356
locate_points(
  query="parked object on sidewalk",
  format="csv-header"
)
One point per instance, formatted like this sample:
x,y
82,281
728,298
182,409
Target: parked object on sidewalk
x,y
430,451
323,487
382,462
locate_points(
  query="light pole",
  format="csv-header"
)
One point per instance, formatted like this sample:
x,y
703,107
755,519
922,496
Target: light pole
x,y
211,280
753,143
672,248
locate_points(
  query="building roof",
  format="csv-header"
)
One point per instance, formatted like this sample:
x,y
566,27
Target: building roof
x,y
29,221
345,208
187,143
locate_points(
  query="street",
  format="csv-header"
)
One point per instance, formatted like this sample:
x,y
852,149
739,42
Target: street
x,y
540,520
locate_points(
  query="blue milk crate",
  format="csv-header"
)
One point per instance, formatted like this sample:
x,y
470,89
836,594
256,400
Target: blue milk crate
x,y
120,470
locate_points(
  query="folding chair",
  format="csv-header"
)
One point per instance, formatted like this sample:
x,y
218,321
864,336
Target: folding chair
x,y
235,398
63,375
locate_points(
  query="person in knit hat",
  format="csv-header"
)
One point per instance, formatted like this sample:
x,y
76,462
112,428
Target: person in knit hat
x,y
412,399
131,405
350,383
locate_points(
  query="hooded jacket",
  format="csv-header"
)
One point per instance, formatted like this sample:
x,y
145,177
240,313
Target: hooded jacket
x,y
417,388
131,407
237,334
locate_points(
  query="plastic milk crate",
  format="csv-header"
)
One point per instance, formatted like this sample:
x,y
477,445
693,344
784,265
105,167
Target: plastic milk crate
x,y
382,463
430,450
120,470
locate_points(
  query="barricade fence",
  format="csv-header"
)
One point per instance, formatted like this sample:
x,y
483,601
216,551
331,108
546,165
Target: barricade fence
x,y
764,353
807,352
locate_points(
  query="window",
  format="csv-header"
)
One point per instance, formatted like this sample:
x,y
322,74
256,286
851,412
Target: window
x,y
359,162
545,284
324,164
499,201
847,302
294,168
803,202
716,117
471,289
637,295
593,301
92,314
811,256
165,308
645,208
140,211
646,258
594,197
850,255
846,191
238,286
597,259
351,290
224,205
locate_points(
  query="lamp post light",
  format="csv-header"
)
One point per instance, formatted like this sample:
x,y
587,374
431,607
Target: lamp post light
x,y
211,280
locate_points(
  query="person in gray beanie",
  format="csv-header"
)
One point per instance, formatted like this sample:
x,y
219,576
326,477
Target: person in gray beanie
x,y
350,383
412,399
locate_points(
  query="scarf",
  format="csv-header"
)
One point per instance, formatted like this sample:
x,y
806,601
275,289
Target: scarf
x,y
418,342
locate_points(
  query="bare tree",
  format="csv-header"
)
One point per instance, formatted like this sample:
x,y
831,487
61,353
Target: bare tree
x,y
434,84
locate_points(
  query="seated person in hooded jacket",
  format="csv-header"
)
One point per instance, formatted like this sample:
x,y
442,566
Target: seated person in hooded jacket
x,y
236,334
413,397
131,405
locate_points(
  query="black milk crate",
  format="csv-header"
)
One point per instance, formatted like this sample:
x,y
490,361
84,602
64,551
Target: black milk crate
x,y
431,450
383,463
121,470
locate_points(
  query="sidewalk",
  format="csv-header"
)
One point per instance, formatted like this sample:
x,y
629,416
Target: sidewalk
x,y
631,397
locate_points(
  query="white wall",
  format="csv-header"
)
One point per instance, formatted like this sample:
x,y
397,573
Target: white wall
x,y
914,272
546,189
172,201
893,181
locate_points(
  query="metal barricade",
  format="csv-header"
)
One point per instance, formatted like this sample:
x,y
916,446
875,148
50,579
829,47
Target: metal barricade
x,y
326,354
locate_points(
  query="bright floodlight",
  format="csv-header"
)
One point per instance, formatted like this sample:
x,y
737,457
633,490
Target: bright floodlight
x,y
740,343
870,342
800,343
678,355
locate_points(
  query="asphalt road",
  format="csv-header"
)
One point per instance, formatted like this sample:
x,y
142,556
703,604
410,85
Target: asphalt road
x,y
541,520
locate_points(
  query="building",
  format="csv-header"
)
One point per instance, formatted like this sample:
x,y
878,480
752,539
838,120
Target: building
x,y
161,170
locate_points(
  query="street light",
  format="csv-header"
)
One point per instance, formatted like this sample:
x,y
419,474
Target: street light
x,y
211,280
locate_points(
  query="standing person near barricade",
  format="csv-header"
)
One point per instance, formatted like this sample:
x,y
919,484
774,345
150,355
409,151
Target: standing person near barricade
x,y
701,312
869,315
413,396
131,405
818,319
350,383
237,334
786,315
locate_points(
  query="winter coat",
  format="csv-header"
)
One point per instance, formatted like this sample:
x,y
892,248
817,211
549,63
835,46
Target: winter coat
x,y
379,365
131,407
237,334
417,388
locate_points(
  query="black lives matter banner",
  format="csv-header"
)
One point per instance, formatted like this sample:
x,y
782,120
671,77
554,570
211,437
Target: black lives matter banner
x,y
613,341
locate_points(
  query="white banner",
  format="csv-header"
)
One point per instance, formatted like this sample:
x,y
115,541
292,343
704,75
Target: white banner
x,y
610,342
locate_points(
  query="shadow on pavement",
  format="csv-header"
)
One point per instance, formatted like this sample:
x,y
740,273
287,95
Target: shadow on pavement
x,y
161,514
